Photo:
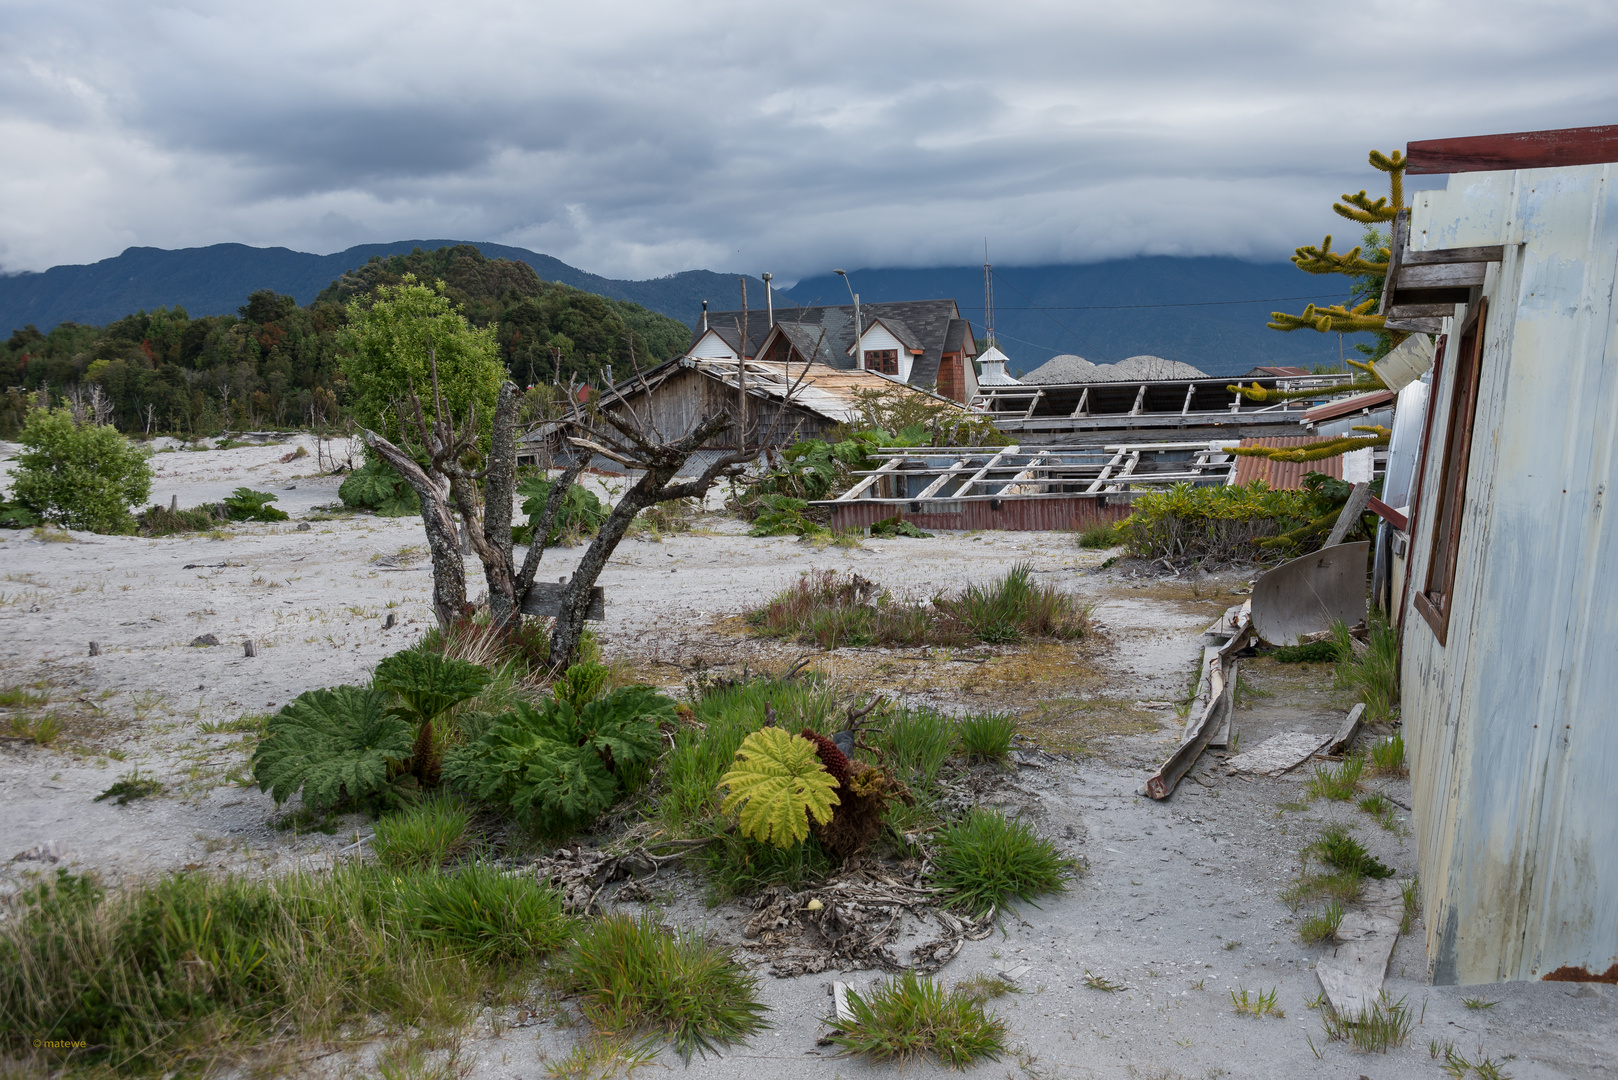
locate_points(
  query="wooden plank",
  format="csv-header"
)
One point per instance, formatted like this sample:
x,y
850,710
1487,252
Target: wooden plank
x,y
1341,741
545,598
1387,513
1349,515
858,489
1084,400
932,489
1423,311
1554,149
1437,256
1279,753
1351,977
1222,681
981,473
1398,240
1442,276
1425,325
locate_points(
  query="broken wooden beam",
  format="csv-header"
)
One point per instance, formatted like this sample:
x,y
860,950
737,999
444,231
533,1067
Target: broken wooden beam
x,y
1345,734
1207,721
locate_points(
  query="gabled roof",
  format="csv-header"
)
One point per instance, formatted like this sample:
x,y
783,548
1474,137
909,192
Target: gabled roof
x,y
892,325
822,389
928,322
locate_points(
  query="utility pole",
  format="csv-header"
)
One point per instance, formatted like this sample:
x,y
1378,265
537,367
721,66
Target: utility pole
x,y
859,353
988,296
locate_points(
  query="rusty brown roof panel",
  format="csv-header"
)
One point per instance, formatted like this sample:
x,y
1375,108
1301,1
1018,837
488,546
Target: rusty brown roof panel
x,y
1284,475
1348,406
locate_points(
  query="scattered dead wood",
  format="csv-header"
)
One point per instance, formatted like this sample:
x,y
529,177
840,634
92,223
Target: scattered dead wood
x,y
581,876
1220,668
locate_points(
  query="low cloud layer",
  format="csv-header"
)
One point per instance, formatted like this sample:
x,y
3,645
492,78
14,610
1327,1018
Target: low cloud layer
x,y
636,139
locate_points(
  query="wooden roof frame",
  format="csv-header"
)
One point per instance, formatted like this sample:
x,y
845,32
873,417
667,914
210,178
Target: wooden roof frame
x,y
1553,149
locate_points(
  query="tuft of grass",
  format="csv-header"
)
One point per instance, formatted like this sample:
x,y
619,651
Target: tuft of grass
x,y
1258,1004
1337,848
1320,927
257,724
982,988
422,836
189,973
988,737
985,860
908,1016
1100,537
1456,1065
1316,652
1478,1003
42,730
1384,1026
1015,606
1371,671
601,1057
1342,887
1388,755
1102,983
739,866
1340,782
833,609
20,697
130,787
637,976
1411,892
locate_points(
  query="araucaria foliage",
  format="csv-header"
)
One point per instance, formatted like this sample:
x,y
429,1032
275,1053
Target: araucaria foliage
x,y
81,476
337,744
779,783
555,765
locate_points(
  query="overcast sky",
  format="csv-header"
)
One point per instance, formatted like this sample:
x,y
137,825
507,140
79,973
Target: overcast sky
x,y
640,138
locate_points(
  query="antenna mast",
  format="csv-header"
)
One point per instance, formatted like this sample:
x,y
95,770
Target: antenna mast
x,y
988,296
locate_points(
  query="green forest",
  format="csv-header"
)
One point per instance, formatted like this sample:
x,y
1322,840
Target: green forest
x,y
274,364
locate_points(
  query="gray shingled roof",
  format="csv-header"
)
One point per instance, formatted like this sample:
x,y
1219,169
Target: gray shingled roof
x,y
1068,368
931,323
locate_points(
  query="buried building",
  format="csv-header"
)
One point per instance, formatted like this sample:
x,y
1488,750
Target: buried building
x,y
1508,621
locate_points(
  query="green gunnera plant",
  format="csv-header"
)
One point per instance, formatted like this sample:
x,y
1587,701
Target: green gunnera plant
x,y
556,766
779,783
375,486
334,745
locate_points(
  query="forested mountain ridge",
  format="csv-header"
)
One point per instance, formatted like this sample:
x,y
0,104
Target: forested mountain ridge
x,y
212,281
274,363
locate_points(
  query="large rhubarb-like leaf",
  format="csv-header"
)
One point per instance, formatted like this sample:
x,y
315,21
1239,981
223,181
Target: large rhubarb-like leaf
x,y
779,783
332,744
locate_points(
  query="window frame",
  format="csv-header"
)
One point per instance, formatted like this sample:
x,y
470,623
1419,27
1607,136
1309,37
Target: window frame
x,y
1436,600
874,358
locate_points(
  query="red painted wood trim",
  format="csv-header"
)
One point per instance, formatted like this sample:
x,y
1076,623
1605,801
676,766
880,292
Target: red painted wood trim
x,y
1347,407
1519,150
1386,513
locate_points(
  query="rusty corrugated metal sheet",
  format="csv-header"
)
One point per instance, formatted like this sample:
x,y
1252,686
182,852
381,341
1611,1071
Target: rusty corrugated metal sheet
x,y
1013,514
1513,747
1283,475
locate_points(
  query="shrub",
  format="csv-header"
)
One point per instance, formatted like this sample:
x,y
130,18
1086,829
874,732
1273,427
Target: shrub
x,y
636,976
420,837
245,504
17,516
581,514
334,745
80,476
987,738
375,486
985,860
555,766
909,1015
1221,524
783,515
161,521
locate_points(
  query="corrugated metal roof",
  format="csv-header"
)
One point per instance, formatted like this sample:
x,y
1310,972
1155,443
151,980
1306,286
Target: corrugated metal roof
x,y
1283,475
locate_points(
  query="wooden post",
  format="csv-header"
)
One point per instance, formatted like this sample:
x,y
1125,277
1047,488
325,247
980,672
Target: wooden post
x,y
249,649
391,622
95,648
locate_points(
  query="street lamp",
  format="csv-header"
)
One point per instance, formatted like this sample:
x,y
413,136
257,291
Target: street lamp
x,y
859,353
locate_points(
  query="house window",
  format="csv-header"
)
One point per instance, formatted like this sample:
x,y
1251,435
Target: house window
x,y
1436,599
884,360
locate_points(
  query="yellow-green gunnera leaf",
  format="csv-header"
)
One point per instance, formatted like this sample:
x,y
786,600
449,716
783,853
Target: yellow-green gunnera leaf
x,y
779,782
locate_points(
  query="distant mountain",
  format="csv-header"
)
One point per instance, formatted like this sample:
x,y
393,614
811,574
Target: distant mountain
x,y
215,280
1208,312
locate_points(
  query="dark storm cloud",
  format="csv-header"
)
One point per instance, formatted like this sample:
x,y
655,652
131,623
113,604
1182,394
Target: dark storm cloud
x,y
636,139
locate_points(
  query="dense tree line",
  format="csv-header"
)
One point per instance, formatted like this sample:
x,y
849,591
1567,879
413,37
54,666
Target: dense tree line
x,y
275,364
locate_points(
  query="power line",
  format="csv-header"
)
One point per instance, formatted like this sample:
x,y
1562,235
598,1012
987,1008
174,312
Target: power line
x,y
1131,307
